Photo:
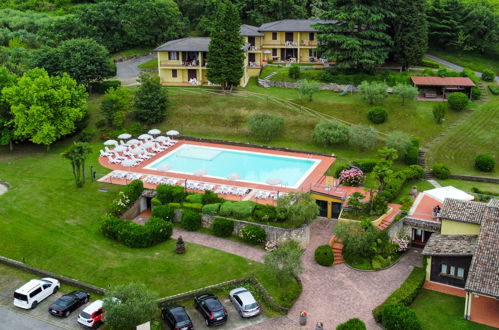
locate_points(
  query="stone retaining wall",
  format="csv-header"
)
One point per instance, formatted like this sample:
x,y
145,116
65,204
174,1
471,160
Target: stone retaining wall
x,y
474,178
133,211
289,84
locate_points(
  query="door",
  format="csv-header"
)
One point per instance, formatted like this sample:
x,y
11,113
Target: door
x,y
251,57
289,36
336,210
192,74
322,208
251,41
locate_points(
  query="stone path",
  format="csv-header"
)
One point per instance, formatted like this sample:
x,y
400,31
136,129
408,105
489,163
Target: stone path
x,y
223,244
434,183
335,294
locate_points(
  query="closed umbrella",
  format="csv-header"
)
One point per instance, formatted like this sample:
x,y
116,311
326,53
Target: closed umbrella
x,y
111,143
161,138
154,131
172,132
127,162
164,167
273,181
145,137
234,176
124,136
132,142
200,172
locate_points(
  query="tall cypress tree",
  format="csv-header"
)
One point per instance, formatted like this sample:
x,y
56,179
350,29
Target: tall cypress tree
x,y
357,38
410,31
225,52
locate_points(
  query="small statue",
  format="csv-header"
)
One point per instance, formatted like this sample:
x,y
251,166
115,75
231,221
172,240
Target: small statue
x,y
180,245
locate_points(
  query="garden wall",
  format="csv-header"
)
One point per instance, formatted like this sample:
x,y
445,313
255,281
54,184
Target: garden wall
x,y
300,234
133,211
474,178
289,84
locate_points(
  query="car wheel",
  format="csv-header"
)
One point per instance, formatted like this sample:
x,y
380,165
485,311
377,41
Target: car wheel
x,y
55,289
34,304
241,314
67,313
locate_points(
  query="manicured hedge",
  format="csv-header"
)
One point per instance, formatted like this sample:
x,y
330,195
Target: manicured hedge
x,y
126,198
377,115
400,317
405,294
440,171
134,235
209,197
194,198
239,210
211,209
193,206
485,163
264,213
396,181
324,255
223,227
254,234
352,324
168,194
164,212
191,220
494,89
457,101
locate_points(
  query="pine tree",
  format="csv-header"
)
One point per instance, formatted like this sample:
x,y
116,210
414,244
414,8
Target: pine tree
x,y
357,38
225,52
444,21
410,31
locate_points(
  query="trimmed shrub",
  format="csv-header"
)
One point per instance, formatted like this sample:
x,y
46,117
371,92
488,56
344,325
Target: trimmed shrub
x,y
254,234
476,93
168,194
209,197
405,294
191,220
457,101
400,317
377,115
485,163
494,90
264,212
239,210
352,324
194,198
134,189
324,255
102,86
197,207
211,209
440,171
429,63
294,72
366,165
396,181
412,156
164,212
488,75
223,227
175,205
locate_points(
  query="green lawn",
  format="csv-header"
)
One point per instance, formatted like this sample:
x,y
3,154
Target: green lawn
x,y
282,73
422,185
139,51
151,64
467,185
478,134
50,224
474,61
442,311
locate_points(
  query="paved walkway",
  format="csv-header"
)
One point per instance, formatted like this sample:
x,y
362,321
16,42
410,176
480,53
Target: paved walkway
x,y
434,183
223,244
128,71
453,66
336,294
11,319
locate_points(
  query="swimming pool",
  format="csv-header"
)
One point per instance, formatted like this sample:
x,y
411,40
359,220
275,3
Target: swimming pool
x,y
256,167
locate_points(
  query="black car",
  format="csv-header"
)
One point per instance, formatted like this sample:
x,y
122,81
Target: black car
x,y
68,303
177,318
211,308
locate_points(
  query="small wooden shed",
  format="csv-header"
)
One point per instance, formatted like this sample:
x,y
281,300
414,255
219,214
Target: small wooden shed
x,y
439,88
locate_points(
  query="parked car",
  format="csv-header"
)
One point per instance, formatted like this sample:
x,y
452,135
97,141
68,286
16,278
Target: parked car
x,y
211,308
244,302
68,303
92,315
177,318
32,293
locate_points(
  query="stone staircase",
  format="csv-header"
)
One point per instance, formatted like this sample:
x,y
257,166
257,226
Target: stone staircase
x,y
485,96
264,82
337,250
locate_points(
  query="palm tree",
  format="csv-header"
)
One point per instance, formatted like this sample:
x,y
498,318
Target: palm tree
x,y
77,154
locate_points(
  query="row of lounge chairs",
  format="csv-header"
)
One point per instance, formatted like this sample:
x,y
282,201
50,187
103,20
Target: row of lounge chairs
x,y
161,180
194,185
265,194
230,190
125,175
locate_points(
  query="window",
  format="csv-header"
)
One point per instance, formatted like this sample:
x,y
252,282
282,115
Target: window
x,y
460,272
274,35
99,312
173,56
311,36
452,270
34,293
239,300
444,269
274,52
312,53
174,73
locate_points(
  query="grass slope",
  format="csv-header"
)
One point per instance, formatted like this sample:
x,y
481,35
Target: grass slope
x,y
474,61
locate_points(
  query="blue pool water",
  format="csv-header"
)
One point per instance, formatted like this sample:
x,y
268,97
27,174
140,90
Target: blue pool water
x,y
251,166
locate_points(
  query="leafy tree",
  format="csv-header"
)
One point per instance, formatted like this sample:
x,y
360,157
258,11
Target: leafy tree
x,y
352,43
388,154
444,21
382,171
405,92
399,141
265,126
151,100
355,201
373,92
297,207
363,137
7,79
284,262
83,59
481,26
225,54
45,108
128,305
263,11
77,154
439,110
329,132
307,89
116,103
410,31
488,75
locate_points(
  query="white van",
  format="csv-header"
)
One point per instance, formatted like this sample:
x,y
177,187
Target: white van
x,y
33,292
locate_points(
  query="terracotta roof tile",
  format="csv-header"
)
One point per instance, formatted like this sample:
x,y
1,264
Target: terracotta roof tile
x,y
463,211
443,81
450,245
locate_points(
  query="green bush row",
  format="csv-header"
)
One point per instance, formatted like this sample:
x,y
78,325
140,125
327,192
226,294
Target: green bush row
x,y
238,210
223,227
396,181
494,90
366,165
133,235
405,294
243,210
191,220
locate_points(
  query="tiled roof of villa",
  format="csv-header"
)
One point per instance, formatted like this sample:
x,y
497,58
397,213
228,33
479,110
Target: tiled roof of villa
x,y
484,271
250,31
450,245
190,44
443,81
291,25
463,211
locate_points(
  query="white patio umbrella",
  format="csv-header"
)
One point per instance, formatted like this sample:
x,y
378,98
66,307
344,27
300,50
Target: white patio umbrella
x,y
274,181
119,149
154,131
164,167
172,132
200,172
145,137
148,144
127,162
137,151
111,143
233,176
124,136
132,142
161,138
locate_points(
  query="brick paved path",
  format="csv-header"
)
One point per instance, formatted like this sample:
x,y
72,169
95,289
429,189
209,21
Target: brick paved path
x,y
223,244
335,294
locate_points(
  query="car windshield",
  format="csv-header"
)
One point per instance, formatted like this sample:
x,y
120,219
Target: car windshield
x,y
251,306
181,317
85,315
219,313
20,296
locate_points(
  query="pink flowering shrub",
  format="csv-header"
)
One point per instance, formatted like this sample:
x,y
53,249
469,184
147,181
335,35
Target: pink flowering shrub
x,y
270,246
352,177
403,243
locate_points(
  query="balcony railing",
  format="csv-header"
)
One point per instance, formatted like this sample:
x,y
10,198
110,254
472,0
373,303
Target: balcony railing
x,y
193,63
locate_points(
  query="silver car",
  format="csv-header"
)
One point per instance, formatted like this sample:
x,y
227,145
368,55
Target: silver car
x,y
244,302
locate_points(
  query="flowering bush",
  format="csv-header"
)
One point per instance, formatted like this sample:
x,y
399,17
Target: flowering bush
x,y
351,177
120,204
270,246
403,243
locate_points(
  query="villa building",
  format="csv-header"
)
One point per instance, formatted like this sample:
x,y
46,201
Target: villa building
x,y
183,61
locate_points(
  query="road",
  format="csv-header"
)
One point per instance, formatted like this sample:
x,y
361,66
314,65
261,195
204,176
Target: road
x,y
127,71
12,320
453,66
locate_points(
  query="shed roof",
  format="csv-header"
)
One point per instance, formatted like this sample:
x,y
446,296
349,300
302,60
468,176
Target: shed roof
x,y
443,81
250,31
190,44
463,211
450,245
291,25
